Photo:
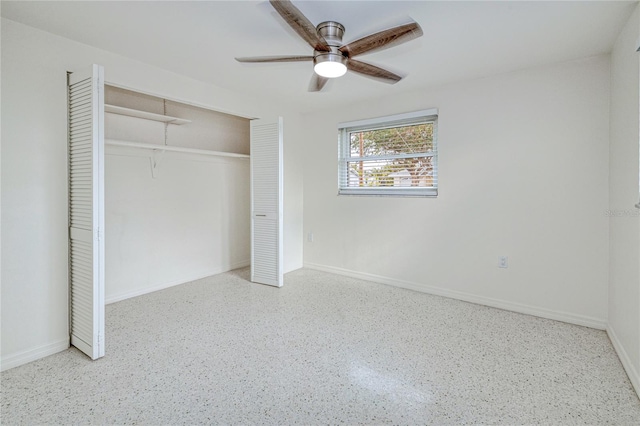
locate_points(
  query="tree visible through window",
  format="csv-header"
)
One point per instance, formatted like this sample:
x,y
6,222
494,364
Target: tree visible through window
x,y
389,156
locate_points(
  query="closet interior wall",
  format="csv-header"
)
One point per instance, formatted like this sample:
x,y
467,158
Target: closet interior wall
x,y
188,219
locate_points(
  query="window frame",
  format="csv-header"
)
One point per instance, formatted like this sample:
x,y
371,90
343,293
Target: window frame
x,y
386,122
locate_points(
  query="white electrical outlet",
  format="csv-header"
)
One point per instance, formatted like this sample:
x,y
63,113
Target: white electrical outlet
x,y
503,262
310,237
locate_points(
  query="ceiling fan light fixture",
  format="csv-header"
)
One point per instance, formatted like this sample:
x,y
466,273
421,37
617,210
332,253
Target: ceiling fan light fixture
x,y
330,65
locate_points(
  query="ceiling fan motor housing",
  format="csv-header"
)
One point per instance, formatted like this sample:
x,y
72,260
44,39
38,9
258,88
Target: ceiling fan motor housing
x,y
332,32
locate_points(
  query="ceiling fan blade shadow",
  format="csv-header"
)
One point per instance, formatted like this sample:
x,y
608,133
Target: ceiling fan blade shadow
x,y
373,71
275,59
300,24
317,83
383,39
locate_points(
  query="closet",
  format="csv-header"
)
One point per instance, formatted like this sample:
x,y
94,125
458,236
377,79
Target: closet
x,y
160,194
177,192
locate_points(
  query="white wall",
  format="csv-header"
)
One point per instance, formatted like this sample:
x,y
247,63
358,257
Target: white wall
x,y
34,165
624,223
190,222
523,171
293,196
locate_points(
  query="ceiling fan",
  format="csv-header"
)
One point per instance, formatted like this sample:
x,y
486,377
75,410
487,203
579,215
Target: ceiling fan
x,y
330,57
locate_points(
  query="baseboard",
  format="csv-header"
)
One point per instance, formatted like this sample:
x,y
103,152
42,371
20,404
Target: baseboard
x,y
634,376
140,292
20,358
521,308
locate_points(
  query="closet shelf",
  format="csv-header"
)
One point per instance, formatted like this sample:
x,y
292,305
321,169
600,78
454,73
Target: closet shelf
x,y
144,114
115,142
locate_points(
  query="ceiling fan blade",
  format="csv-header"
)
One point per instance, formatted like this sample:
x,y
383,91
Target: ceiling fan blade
x,y
317,83
372,71
275,59
382,40
300,24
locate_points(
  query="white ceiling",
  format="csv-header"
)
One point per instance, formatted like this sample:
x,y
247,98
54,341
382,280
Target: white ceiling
x,y
462,40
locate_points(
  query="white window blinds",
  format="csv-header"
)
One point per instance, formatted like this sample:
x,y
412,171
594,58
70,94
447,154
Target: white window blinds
x,y
394,155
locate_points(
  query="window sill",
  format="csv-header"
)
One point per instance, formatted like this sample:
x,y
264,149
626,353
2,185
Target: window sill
x,y
395,192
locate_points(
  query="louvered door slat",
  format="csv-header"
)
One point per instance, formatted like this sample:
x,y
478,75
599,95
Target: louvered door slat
x,y
86,211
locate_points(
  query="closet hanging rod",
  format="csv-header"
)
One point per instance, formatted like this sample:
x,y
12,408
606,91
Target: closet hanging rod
x,y
115,142
114,109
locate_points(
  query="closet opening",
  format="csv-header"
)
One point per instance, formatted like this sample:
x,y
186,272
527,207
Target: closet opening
x,y
177,193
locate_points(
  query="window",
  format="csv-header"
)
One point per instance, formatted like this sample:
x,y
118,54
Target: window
x,y
395,155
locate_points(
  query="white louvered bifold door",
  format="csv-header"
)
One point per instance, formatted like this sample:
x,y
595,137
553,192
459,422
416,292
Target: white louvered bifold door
x,y
86,210
266,202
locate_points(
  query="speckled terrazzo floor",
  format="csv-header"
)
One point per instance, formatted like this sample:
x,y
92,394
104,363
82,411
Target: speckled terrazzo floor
x,y
323,349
